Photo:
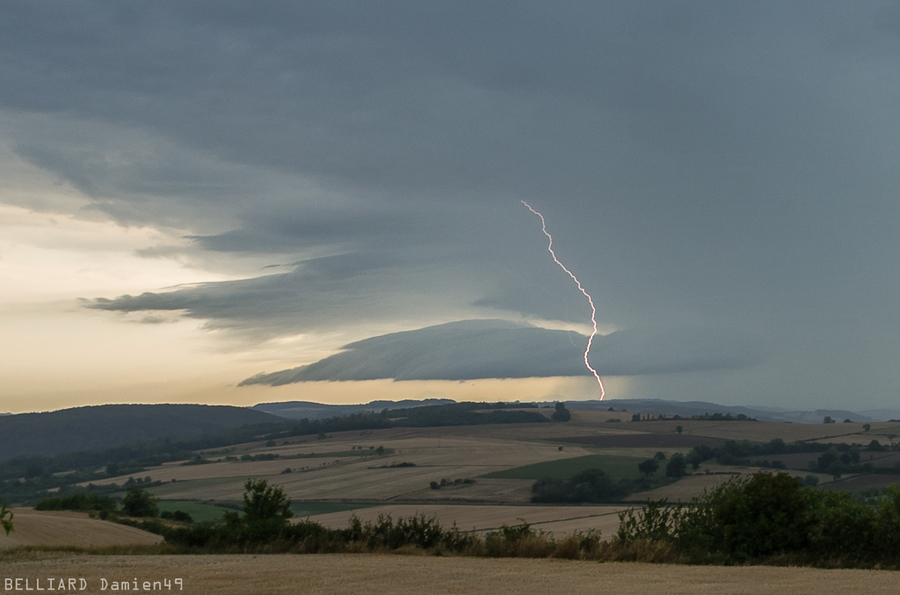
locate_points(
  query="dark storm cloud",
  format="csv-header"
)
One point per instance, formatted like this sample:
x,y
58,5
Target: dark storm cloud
x,y
474,349
317,294
719,164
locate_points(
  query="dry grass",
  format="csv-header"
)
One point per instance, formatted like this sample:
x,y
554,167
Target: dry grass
x,y
70,528
407,575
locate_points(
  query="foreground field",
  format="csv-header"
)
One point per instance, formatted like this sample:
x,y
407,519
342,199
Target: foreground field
x,y
400,575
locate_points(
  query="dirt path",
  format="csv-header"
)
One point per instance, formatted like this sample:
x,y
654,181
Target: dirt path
x,y
407,575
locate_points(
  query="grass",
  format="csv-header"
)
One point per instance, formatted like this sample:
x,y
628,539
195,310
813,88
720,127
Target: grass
x,y
616,466
165,489
304,509
201,513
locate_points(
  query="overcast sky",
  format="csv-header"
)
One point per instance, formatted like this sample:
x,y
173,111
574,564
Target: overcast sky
x,y
234,202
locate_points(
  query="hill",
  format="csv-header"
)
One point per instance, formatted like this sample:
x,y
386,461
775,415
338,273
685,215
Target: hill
x,y
310,410
104,426
769,414
57,528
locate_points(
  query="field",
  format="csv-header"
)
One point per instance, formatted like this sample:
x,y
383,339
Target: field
x,y
616,466
395,472
408,575
70,528
331,477
200,512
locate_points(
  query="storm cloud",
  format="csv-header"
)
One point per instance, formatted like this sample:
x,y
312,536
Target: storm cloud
x,y
476,349
723,166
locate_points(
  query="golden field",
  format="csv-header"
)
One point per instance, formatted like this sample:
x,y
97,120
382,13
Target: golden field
x,y
57,528
343,574
343,468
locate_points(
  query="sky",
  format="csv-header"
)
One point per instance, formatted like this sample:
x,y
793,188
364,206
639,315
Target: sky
x,y
234,203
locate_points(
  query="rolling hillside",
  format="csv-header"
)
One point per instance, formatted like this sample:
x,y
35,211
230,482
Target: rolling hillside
x,y
103,426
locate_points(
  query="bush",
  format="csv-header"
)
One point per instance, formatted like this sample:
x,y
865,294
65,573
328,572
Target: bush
x,y
176,515
265,503
6,517
518,541
417,531
752,519
677,466
590,485
648,467
561,413
139,503
78,502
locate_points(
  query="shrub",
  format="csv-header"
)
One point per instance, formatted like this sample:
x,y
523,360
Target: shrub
x,y
752,519
176,515
648,467
417,531
265,503
140,503
590,485
676,467
518,541
6,517
78,502
561,413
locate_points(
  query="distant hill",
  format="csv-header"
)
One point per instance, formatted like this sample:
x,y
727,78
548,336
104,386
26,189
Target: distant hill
x,y
311,411
103,426
772,414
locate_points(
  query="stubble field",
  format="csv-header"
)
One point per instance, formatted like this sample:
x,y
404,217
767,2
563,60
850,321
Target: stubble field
x,y
414,575
345,469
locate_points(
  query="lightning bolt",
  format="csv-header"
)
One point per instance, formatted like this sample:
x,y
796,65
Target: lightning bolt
x,y
582,290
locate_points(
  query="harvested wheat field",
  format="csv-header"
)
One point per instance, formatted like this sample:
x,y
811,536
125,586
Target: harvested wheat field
x,y
401,575
70,528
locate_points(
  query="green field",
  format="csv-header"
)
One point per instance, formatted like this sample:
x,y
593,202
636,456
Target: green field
x,y
201,513
161,491
616,466
304,509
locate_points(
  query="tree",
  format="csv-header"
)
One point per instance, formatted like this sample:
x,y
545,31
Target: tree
x,y
867,427
828,420
138,502
6,517
648,467
660,456
263,502
677,466
875,446
679,429
561,413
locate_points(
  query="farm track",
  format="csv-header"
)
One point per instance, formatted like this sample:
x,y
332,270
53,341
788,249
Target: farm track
x,y
408,575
